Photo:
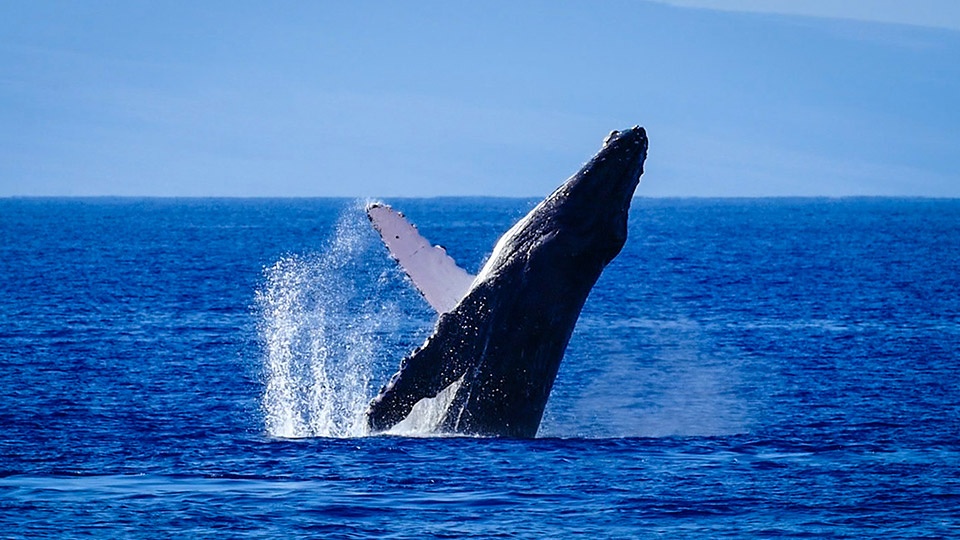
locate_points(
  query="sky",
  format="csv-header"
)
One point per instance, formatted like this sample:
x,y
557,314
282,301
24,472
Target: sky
x,y
740,98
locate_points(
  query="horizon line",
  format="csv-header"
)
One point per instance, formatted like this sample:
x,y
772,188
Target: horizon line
x,y
430,197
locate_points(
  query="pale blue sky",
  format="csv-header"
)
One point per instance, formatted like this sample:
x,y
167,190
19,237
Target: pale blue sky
x,y
370,99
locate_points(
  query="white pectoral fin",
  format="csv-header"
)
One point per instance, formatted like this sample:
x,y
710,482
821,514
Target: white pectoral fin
x,y
435,274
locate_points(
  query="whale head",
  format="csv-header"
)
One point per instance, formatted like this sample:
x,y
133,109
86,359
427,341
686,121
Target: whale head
x,y
592,205
585,219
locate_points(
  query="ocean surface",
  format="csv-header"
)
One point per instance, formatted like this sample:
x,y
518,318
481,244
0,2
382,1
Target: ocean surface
x,y
197,368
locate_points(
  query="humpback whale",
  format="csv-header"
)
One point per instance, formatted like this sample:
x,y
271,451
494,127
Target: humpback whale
x,y
501,335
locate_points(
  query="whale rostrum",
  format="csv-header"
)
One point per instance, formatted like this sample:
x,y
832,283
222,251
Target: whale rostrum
x,y
501,335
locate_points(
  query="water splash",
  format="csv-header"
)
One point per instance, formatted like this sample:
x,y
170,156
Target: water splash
x,y
319,318
329,326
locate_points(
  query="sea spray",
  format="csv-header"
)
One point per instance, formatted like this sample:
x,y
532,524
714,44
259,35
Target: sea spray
x,y
319,316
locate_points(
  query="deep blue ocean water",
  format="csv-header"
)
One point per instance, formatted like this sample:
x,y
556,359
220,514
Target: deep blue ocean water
x,y
745,368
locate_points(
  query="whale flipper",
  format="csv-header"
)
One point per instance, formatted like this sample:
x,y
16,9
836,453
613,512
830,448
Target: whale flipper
x,y
435,274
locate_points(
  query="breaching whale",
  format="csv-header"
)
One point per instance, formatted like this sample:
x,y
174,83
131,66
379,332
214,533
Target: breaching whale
x,y
501,335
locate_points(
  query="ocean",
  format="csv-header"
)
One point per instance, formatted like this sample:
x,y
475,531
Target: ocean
x,y
746,368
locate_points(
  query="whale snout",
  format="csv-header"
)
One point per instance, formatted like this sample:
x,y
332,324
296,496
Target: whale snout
x,y
637,132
